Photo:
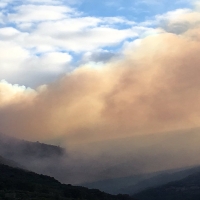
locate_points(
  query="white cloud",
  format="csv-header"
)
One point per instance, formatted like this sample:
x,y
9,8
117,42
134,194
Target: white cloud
x,y
55,29
8,32
18,65
82,40
179,21
73,34
11,55
45,33
29,13
118,20
25,26
53,62
51,2
55,2
67,25
45,29
9,91
173,15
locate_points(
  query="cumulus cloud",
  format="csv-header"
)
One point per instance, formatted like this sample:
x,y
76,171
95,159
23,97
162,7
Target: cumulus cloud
x,y
10,92
48,2
36,41
12,55
77,34
179,21
19,66
9,33
29,13
45,27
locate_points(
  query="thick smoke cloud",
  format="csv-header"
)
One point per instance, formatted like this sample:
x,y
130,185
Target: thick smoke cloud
x,y
154,89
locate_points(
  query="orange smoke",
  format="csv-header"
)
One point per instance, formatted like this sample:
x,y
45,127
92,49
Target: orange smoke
x,y
155,88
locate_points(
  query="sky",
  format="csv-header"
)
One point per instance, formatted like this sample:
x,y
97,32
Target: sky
x,y
88,75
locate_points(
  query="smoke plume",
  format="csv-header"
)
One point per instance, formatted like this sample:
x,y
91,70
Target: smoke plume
x,y
155,88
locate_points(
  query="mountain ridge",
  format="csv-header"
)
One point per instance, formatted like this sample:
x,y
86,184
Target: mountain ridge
x,y
134,184
17,183
184,189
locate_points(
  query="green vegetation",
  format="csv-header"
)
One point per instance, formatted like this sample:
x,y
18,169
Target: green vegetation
x,y
25,185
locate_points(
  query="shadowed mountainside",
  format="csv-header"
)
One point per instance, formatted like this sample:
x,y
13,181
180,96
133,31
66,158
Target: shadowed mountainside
x,y
34,156
15,148
19,184
185,189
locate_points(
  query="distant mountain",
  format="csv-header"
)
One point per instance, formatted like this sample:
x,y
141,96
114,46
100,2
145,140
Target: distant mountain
x,y
185,189
19,184
35,156
133,184
116,185
15,148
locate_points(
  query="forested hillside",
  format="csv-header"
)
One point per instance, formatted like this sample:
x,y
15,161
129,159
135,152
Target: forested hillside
x,y
25,185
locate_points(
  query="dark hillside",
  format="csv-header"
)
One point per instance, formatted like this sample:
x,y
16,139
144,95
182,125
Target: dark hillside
x,y
185,189
35,156
19,184
15,148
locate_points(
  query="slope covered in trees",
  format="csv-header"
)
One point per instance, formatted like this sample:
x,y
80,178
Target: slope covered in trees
x,y
16,183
